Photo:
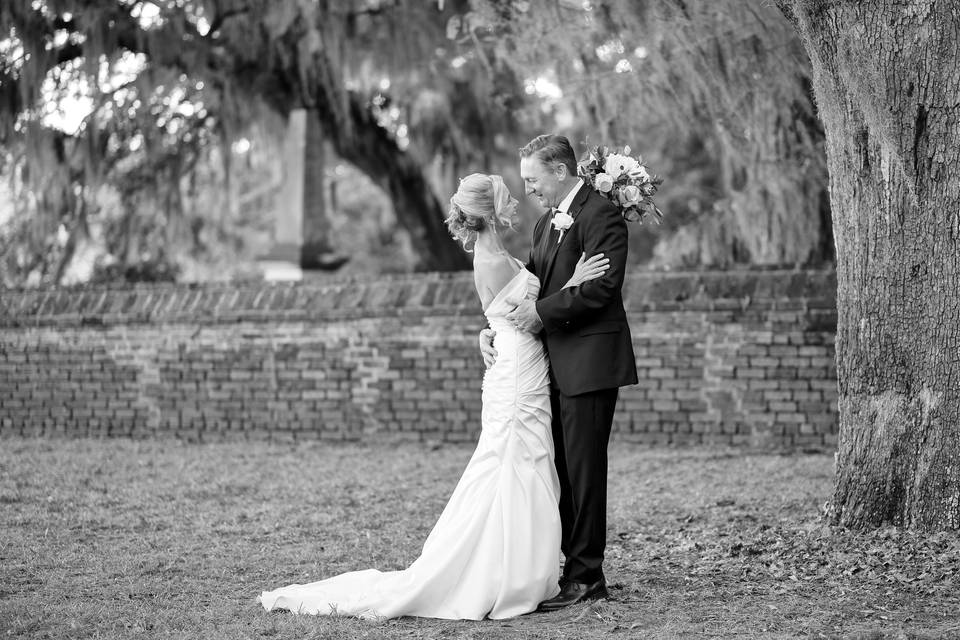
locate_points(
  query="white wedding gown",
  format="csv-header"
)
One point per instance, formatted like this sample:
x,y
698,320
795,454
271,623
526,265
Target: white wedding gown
x,y
495,550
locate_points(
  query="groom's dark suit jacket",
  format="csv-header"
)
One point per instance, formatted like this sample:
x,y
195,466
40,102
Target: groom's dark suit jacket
x,y
585,327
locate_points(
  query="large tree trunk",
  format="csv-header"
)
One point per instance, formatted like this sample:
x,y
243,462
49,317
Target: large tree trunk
x,y
887,82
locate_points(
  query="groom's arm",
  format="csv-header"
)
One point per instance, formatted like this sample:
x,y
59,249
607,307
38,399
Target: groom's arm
x,y
604,232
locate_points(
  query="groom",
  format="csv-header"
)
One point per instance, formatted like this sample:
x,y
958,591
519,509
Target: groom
x,y
588,342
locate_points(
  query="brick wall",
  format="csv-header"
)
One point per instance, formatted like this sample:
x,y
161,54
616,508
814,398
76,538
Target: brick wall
x,y
742,358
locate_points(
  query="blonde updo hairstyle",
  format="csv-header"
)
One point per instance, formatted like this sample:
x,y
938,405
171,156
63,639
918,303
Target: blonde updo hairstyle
x,y
481,201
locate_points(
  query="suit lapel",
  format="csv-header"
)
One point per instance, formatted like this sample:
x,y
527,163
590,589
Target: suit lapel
x,y
543,243
575,208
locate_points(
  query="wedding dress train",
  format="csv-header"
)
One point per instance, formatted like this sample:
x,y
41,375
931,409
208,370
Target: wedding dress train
x,y
494,551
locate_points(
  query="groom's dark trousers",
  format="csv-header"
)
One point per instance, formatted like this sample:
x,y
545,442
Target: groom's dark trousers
x,y
581,431
587,339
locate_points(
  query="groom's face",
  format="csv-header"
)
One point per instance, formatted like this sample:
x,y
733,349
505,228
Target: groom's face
x,y
542,181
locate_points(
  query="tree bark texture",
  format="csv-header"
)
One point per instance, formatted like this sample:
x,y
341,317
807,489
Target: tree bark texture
x,y
887,83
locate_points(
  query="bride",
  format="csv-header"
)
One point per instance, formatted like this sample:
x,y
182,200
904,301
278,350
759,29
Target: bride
x,y
495,549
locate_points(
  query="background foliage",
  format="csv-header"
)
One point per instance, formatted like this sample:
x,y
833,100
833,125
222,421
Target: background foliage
x,y
140,139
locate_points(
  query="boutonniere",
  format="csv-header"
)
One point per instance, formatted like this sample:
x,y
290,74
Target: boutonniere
x,y
561,221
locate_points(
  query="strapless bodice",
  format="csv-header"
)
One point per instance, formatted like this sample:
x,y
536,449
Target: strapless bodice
x,y
523,286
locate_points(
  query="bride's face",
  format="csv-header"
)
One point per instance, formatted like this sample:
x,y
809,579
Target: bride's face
x,y
540,181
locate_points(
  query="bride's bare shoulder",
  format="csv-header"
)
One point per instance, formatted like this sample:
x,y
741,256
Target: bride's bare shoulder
x,y
491,273
493,265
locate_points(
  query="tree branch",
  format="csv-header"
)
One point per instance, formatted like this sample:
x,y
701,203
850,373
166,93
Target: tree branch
x,y
223,16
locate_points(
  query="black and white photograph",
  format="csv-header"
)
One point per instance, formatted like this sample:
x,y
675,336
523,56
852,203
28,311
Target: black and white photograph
x,y
463,319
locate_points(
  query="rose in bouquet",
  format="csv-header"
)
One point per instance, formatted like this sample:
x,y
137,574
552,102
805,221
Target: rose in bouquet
x,y
624,180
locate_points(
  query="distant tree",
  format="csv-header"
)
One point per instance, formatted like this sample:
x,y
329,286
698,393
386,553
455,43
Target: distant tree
x,y
717,93
887,82
377,74
135,166
416,93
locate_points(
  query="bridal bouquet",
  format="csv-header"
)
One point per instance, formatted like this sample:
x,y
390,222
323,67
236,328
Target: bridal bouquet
x,y
624,180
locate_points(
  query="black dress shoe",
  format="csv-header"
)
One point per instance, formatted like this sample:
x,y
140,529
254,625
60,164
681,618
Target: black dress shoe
x,y
574,592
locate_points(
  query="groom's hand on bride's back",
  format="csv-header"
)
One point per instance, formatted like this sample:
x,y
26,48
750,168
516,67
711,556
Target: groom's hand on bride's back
x,y
486,347
524,315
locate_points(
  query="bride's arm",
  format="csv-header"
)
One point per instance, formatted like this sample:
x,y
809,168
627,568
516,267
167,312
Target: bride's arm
x,y
604,231
588,269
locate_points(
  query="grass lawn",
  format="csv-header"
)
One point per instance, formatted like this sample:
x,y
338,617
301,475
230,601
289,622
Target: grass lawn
x,y
122,539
